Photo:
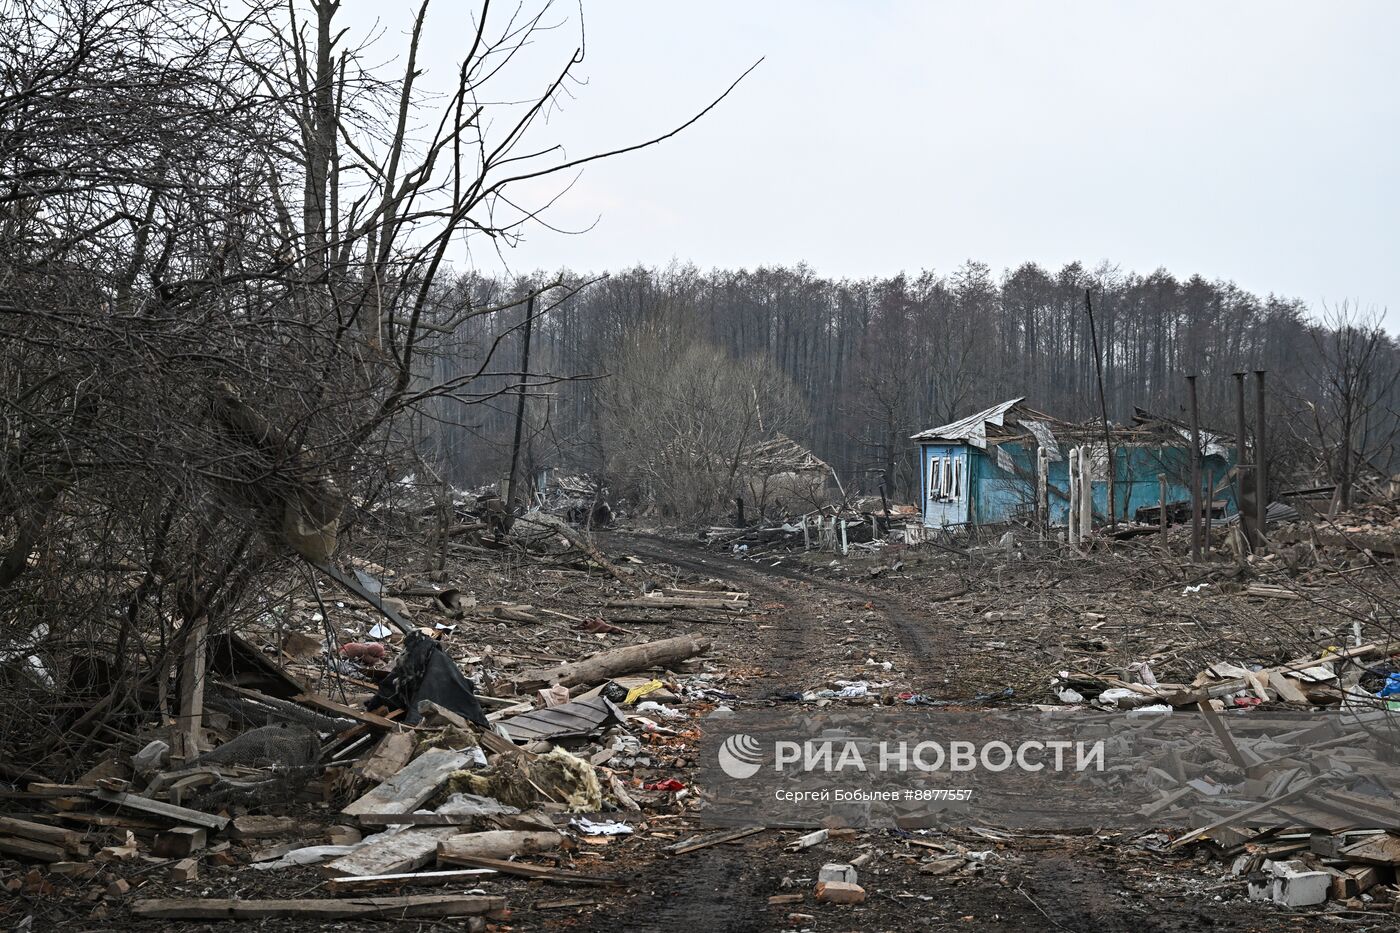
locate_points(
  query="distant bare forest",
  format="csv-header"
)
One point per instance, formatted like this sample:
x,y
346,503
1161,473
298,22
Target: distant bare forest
x,y
851,368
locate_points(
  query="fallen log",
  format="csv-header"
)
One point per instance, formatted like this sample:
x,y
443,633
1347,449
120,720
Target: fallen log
x,y
607,664
497,843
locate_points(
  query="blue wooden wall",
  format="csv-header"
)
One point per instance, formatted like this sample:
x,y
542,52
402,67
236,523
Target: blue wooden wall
x,y
995,495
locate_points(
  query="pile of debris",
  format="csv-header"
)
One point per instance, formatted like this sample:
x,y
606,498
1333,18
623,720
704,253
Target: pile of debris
x,y
1300,805
831,529
436,766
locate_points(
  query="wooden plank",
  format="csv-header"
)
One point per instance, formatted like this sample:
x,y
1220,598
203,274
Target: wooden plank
x,y
704,842
114,821
401,852
1238,818
562,902
32,849
351,884
411,787
421,819
1286,689
189,735
41,832
167,811
537,872
408,906
1376,850
270,827
41,789
388,758
363,717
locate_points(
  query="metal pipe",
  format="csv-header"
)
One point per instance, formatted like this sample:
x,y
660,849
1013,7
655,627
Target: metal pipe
x,y
1261,461
1195,471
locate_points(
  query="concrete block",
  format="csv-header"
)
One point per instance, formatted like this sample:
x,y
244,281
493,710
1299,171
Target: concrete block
x,y
837,871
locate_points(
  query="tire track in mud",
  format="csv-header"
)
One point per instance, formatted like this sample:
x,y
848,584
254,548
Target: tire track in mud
x,y
797,641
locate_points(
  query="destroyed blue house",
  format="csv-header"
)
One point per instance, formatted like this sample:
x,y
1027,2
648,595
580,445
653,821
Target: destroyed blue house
x,y
982,470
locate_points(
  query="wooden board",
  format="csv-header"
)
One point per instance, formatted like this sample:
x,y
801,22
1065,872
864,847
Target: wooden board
x,y
32,850
411,787
704,842
1376,850
166,811
537,872
388,758
415,905
351,884
401,852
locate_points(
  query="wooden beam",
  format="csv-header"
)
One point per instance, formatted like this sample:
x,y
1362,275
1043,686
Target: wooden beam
x,y
363,717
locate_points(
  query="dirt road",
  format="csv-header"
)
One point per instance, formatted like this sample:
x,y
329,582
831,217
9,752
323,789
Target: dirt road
x,y
816,625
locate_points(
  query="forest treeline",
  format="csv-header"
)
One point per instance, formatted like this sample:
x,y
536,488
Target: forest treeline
x,y
852,367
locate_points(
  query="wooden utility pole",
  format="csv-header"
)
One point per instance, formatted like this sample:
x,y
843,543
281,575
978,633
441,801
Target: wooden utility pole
x,y
1086,495
1261,464
1103,411
1042,490
1242,463
1162,506
1195,471
520,403
1073,526
1210,509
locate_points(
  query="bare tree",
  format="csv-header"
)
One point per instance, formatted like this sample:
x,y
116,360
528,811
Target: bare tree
x,y
225,248
1352,372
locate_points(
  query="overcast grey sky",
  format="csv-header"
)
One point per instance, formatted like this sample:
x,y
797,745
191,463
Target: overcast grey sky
x,y
1253,141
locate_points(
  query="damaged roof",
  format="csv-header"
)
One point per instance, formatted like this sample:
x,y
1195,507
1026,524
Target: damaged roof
x,y
1013,420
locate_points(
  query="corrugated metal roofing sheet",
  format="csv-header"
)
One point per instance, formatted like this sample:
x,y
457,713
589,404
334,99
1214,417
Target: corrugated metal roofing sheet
x,y
973,428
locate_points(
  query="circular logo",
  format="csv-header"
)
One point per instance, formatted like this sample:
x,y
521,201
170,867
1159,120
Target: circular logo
x,y
740,756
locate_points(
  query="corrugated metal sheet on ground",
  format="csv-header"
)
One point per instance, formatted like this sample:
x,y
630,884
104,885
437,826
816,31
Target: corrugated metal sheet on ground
x,y
581,717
